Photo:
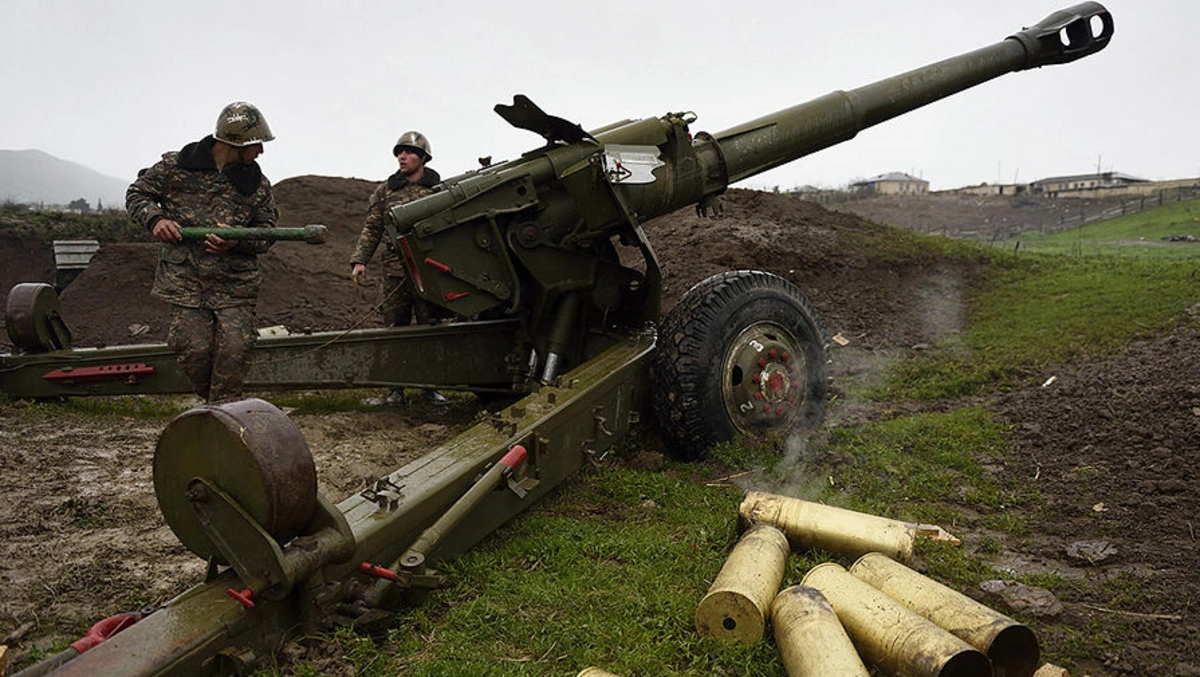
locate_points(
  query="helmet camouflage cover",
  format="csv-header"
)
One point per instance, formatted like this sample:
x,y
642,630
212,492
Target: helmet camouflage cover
x,y
242,124
414,141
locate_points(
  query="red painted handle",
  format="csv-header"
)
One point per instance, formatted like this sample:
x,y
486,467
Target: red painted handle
x,y
377,571
514,457
105,629
244,597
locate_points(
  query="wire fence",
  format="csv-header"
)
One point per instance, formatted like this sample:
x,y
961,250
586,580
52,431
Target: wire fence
x,y
1077,216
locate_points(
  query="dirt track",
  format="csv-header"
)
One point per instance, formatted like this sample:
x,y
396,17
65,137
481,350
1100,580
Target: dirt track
x,y
1111,446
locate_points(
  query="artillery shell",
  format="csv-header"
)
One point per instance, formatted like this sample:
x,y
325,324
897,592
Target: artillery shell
x,y
737,604
1012,647
595,672
813,525
886,634
810,637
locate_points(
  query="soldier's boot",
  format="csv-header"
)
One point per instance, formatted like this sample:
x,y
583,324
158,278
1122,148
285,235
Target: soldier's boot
x,y
435,397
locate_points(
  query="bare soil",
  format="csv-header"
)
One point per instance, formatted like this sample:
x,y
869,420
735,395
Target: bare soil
x,y
1110,445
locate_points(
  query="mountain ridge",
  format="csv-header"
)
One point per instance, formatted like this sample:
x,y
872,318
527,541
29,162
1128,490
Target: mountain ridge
x,y
36,177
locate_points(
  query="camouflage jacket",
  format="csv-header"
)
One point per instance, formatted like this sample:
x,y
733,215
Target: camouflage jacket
x,y
395,191
186,187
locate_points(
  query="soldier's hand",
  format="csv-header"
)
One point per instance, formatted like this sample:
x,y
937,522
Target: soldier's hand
x,y
216,245
358,273
166,230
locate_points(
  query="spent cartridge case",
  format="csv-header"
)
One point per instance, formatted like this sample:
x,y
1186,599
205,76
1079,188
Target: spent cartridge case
x,y
901,642
739,601
811,639
595,672
1011,646
813,525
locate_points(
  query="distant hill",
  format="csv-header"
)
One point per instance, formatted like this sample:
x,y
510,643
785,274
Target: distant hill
x,y
36,177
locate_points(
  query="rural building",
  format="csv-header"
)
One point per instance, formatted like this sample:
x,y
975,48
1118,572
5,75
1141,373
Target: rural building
x,y
892,183
1063,186
992,189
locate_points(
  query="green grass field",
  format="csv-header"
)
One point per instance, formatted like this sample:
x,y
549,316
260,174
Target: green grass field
x,y
1138,236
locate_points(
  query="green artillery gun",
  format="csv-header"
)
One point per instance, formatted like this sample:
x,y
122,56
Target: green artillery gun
x,y
533,254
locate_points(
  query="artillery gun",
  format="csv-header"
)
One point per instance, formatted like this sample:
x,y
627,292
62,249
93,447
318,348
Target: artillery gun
x,y
534,255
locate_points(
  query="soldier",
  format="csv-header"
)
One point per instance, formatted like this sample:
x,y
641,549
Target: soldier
x,y
212,285
412,180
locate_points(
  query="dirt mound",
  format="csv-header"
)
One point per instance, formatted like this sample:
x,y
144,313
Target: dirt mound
x,y
304,286
307,287
876,303
1111,447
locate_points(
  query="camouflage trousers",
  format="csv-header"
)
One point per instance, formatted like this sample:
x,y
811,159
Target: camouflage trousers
x,y
212,347
400,303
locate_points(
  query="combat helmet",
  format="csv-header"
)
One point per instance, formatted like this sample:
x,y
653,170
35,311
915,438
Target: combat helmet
x,y
242,124
416,142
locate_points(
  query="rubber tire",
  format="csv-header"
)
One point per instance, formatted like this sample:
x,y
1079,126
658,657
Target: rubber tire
x,y
700,383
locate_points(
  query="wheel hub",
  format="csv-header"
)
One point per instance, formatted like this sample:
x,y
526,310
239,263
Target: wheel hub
x,y
764,378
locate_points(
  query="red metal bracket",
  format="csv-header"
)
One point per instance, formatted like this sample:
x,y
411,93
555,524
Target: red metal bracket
x,y
107,372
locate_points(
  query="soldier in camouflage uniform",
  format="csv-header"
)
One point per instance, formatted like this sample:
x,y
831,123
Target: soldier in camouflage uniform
x,y
412,180
212,284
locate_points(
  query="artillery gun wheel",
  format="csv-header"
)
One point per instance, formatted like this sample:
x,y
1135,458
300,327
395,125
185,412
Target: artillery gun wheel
x,y
252,452
741,354
33,318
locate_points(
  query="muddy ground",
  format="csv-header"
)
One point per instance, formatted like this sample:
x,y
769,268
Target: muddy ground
x,y
1111,445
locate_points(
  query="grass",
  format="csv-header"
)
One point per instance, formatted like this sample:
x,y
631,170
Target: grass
x,y
608,570
919,468
1029,314
109,225
1113,237
616,562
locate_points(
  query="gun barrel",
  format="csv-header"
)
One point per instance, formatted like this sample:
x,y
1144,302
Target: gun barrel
x,y
776,139
312,234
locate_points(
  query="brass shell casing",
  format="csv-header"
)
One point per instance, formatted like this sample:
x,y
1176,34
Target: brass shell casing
x,y
901,642
595,672
811,639
813,525
739,601
1012,647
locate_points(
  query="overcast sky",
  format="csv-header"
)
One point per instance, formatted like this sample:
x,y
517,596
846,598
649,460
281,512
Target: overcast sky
x,y
114,85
